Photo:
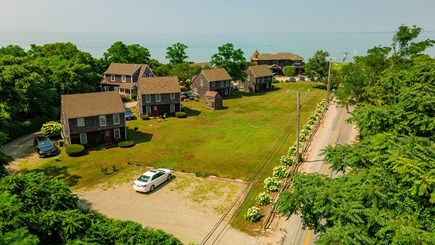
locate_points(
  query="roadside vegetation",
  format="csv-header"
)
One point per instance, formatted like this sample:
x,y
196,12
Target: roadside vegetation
x,y
387,195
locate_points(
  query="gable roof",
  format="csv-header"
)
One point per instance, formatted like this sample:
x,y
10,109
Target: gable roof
x,y
91,104
280,56
158,85
211,93
122,69
261,71
218,74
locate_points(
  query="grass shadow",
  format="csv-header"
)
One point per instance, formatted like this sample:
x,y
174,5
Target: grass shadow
x,y
191,112
138,136
59,172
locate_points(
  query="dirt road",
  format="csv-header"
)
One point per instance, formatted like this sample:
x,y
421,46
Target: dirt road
x,y
21,149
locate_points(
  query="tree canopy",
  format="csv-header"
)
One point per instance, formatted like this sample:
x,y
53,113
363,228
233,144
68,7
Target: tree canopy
x,y
387,194
232,60
176,53
122,53
317,66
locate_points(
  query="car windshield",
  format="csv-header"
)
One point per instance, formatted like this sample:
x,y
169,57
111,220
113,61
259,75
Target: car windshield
x,y
144,178
128,112
44,144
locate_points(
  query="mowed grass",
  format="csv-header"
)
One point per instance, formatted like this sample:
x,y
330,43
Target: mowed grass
x,y
244,140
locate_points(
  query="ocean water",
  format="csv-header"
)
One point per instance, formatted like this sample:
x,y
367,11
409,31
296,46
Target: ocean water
x,y
202,46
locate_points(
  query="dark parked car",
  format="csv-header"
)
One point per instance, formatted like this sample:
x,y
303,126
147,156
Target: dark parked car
x,y
129,115
292,79
186,96
44,146
302,79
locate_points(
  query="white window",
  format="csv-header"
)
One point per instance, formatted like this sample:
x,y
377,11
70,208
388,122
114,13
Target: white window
x,y
212,84
148,98
195,90
172,108
83,138
150,74
249,77
112,78
226,91
242,85
158,98
115,88
227,83
172,96
267,85
201,82
80,122
123,78
116,118
222,83
102,121
148,109
106,88
117,133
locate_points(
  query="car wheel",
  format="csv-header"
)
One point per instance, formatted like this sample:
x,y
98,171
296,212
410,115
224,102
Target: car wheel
x,y
169,177
152,188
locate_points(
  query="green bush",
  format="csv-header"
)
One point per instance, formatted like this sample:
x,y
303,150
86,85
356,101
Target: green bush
x,y
125,98
74,150
145,117
125,144
275,81
287,160
253,214
180,114
271,184
280,171
263,199
289,71
134,95
51,129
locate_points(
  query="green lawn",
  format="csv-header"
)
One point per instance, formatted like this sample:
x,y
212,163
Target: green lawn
x,y
247,137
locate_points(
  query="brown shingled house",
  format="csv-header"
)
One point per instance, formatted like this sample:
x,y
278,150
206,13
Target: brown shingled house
x,y
278,61
212,80
123,77
93,118
157,96
259,79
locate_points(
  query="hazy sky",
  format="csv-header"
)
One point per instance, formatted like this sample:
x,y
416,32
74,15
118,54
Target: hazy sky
x,y
214,16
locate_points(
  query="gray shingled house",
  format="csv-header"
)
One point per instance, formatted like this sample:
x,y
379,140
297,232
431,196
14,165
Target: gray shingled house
x,y
278,61
212,80
93,118
157,96
259,79
123,77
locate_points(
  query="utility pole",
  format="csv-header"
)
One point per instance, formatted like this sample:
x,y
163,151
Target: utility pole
x,y
298,104
328,85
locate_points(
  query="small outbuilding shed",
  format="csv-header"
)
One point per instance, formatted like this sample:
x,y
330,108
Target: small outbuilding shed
x,y
213,100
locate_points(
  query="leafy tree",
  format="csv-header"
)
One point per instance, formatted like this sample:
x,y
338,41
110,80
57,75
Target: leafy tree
x,y
317,66
232,60
185,72
122,53
176,53
289,71
51,129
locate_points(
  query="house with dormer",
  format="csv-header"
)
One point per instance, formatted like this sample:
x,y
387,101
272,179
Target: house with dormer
x,y
259,79
93,118
157,96
216,79
123,77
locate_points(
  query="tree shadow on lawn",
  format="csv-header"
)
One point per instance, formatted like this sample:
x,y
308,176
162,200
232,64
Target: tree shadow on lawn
x,y
59,172
191,112
138,136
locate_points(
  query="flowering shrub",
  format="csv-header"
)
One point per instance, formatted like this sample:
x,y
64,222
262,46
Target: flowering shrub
x,y
253,214
291,151
271,184
263,199
307,127
286,160
280,172
303,135
51,129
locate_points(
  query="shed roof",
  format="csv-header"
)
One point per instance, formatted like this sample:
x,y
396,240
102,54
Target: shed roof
x,y
91,104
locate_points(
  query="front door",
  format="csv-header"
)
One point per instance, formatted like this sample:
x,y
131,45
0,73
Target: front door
x,y
108,137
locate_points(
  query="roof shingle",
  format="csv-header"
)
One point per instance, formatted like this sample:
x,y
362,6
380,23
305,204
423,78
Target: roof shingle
x,y
158,85
91,104
122,69
261,71
280,56
218,74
